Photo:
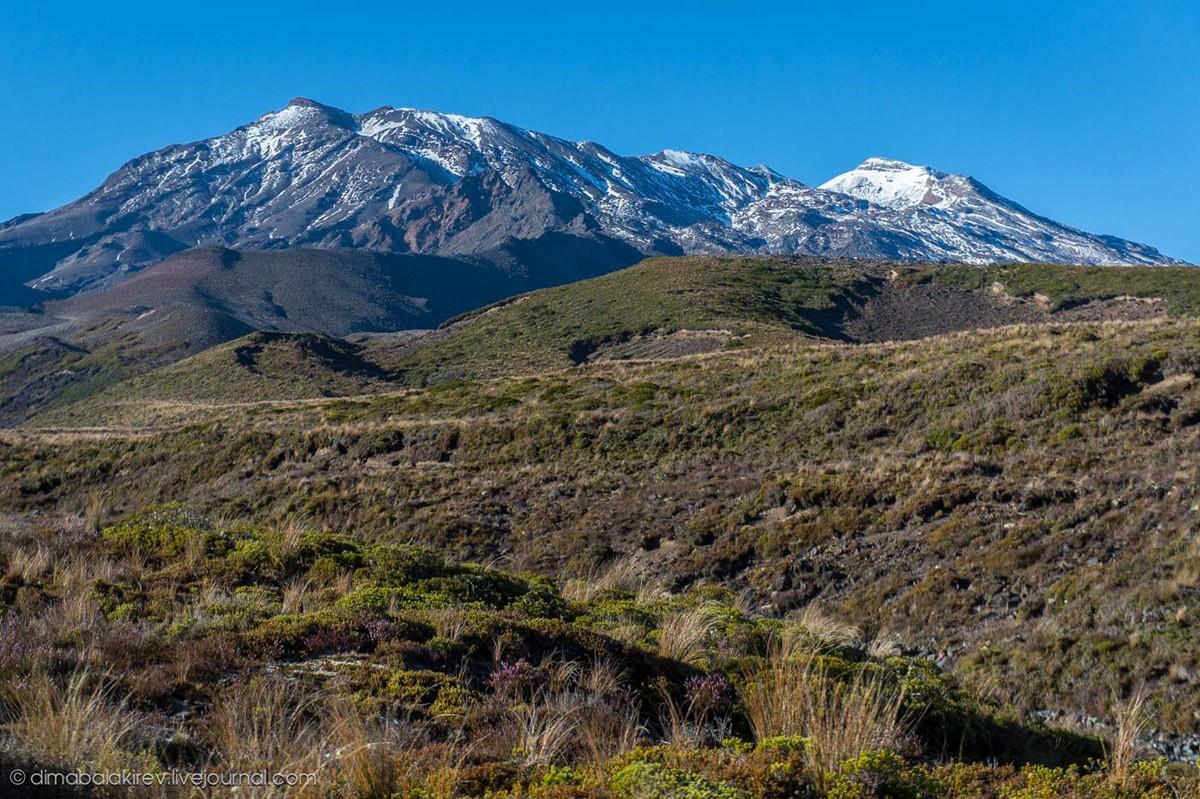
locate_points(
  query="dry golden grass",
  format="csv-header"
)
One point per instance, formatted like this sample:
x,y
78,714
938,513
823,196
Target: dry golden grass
x,y
77,573
685,634
95,509
343,584
604,678
607,728
74,613
840,718
293,596
273,726
561,675
677,728
266,725
605,731
71,723
292,532
626,573
450,623
813,632
30,564
1187,569
575,716
1132,717
371,754
546,728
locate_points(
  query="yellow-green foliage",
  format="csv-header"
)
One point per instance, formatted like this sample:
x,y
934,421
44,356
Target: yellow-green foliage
x,y
656,781
879,773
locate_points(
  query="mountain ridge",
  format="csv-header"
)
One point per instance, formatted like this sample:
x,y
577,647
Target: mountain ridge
x,y
403,180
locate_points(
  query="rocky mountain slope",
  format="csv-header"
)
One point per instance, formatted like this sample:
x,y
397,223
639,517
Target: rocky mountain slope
x,y
399,180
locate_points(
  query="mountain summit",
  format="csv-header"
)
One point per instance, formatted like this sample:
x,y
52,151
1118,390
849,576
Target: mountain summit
x,y
891,183
402,180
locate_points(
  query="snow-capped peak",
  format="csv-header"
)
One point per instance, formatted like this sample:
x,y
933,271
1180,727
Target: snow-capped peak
x,y
301,111
888,182
385,119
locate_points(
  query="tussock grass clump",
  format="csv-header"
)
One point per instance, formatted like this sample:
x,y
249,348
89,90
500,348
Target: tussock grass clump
x,y
839,718
624,574
95,509
685,634
266,723
812,631
1132,716
547,727
372,756
77,721
575,713
30,564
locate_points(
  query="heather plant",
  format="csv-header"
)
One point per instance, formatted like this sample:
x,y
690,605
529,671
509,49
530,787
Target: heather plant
x,y
516,680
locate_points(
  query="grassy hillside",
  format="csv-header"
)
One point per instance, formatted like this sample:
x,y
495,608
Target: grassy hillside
x,y
71,349
749,299
59,364
1066,285
332,291
670,307
960,491
737,302
1006,507
758,301
259,366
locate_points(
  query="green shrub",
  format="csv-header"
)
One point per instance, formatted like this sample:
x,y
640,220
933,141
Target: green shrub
x,y
424,687
783,744
542,599
640,780
290,631
250,556
370,600
878,774
401,564
159,532
338,551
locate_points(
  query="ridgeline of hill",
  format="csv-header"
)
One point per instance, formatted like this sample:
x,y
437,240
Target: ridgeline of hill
x,y
660,309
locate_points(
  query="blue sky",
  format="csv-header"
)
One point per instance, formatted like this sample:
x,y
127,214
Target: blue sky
x,y
1088,112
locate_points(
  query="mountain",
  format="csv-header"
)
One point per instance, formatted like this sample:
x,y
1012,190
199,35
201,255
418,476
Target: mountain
x,y
399,180
332,291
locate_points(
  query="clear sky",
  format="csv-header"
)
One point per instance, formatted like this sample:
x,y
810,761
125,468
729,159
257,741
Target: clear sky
x,y
1088,112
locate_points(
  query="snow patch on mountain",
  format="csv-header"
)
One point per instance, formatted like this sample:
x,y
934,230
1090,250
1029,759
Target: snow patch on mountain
x,y
888,182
